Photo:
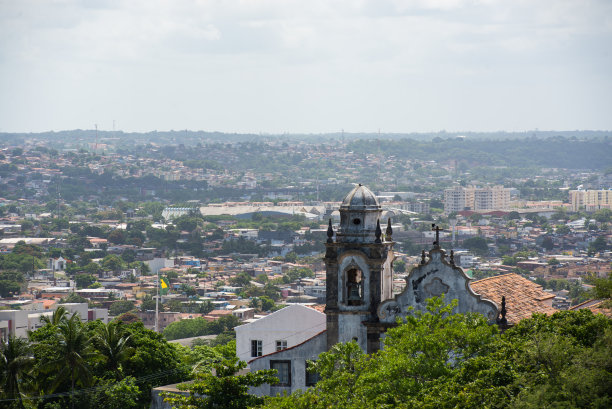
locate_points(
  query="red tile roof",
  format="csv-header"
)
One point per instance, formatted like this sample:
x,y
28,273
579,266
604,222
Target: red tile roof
x,y
597,306
523,296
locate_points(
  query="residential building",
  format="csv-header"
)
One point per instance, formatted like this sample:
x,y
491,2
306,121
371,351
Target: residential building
x,y
478,199
282,329
590,200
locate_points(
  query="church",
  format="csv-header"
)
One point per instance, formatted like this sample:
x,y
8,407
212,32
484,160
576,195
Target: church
x,y
360,305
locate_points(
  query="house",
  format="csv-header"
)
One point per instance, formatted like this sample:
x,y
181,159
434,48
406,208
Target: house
x,y
280,330
56,264
18,322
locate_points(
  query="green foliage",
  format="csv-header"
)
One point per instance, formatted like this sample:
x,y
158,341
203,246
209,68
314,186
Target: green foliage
x,y
297,273
75,355
602,288
112,341
11,282
116,395
444,360
84,280
562,229
24,261
199,326
153,356
112,263
478,245
240,280
603,215
73,298
120,307
223,389
16,361
597,245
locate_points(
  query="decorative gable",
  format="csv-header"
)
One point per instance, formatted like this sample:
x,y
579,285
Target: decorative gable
x,y
432,278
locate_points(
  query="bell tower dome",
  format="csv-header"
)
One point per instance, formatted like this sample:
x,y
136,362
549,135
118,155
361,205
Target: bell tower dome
x,y
359,271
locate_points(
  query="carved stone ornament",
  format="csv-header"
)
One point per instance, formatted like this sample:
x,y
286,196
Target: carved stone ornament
x,y
433,278
391,311
436,288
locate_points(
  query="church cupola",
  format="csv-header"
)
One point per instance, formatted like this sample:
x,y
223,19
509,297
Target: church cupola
x,y
359,216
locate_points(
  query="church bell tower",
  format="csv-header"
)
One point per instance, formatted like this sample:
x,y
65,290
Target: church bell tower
x,y
359,265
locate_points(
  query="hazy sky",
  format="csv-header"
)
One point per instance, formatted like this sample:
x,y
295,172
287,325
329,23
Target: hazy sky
x,y
306,66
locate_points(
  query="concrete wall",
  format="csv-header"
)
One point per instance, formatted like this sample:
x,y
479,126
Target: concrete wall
x,y
309,350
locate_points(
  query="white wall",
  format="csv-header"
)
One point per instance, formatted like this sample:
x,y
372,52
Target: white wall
x,y
295,324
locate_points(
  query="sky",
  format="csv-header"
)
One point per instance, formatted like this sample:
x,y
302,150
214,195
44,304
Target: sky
x,y
309,66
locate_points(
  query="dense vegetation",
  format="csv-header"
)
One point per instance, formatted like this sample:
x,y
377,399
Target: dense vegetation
x,y
553,152
93,365
445,360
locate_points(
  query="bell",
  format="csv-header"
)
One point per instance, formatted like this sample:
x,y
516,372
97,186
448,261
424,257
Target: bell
x,y
354,292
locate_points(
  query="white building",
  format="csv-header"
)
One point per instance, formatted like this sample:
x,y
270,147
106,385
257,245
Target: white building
x,y
19,322
282,329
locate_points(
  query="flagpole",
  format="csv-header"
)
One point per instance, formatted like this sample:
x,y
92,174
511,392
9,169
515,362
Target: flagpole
x,y
157,305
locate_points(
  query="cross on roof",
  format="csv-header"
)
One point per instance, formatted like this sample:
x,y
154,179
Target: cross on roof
x,y
437,230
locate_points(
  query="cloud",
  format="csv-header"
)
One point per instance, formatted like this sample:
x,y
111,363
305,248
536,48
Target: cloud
x,y
402,65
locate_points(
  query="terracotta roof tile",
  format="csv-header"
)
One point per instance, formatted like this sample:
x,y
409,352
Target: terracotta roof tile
x,y
597,306
523,296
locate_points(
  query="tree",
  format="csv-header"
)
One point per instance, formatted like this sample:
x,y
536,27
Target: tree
x,y
59,315
92,268
153,356
444,360
478,245
547,243
16,360
75,355
112,263
84,280
128,256
603,215
116,237
148,304
513,215
113,344
223,389
73,298
399,266
121,394
562,229
119,307
240,280
597,245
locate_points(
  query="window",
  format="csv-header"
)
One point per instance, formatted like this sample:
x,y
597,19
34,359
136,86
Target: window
x,y
280,345
283,374
256,348
312,377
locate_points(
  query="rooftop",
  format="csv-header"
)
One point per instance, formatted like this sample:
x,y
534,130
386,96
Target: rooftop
x,y
523,296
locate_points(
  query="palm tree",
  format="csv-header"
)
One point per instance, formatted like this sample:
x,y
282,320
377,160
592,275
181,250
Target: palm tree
x,y
75,353
113,344
58,316
15,363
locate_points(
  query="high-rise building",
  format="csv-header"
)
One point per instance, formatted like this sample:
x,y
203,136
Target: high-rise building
x,y
590,200
487,198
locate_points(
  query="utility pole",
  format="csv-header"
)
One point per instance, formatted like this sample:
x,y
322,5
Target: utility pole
x,y
157,305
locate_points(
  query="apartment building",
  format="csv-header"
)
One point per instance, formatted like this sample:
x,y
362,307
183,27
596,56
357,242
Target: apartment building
x,y
590,200
474,198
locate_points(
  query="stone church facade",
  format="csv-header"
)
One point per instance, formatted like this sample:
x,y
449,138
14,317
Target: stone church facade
x,y
360,305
